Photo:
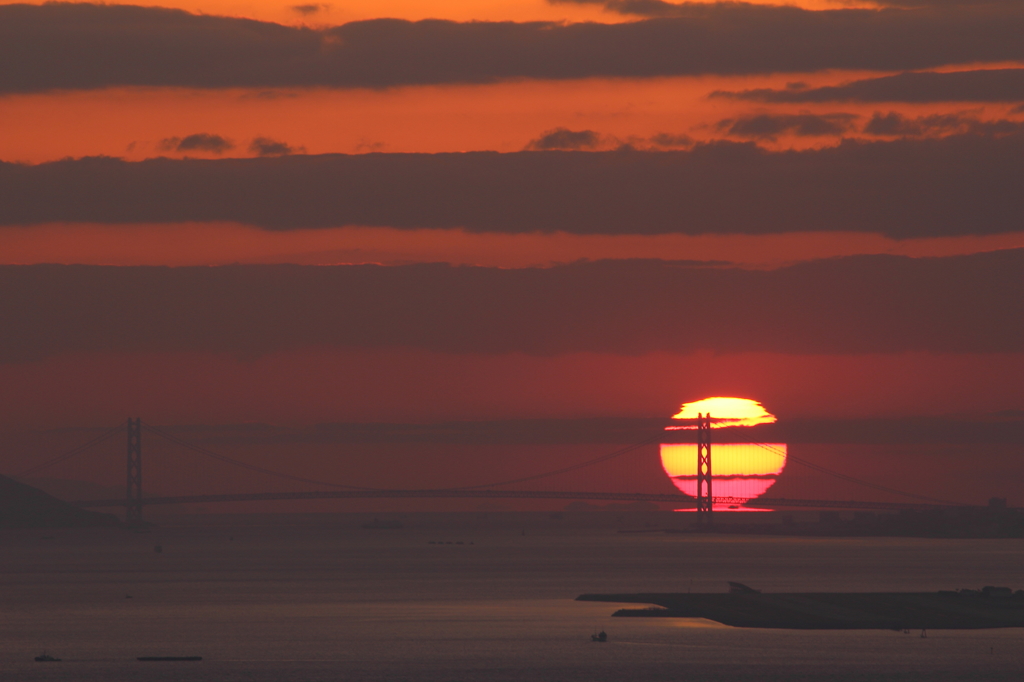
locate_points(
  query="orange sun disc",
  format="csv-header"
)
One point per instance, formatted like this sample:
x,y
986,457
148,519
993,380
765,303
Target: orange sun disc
x,y
741,471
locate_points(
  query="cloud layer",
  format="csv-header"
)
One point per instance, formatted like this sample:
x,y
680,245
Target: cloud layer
x,y
896,125
992,85
81,46
866,304
662,8
617,430
197,142
903,188
563,138
265,146
769,126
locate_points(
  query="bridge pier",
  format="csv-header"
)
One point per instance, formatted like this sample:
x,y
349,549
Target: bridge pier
x,y
133,501
705,499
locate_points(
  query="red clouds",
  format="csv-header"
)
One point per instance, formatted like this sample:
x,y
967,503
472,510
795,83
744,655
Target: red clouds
x,y
867,304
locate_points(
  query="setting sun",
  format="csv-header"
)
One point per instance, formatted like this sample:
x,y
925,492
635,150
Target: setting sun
x,y
726,412
740,470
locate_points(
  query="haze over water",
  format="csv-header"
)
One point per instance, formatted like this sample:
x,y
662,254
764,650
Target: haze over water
x,y
287,600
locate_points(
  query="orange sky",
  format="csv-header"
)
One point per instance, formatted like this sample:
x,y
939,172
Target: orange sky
x,y
407,385
132,122
332,13
224,243
312,381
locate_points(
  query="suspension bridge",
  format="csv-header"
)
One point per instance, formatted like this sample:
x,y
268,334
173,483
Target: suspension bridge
x,y
134,501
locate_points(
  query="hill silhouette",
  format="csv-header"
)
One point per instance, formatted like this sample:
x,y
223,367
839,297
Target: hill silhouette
x,y
22,506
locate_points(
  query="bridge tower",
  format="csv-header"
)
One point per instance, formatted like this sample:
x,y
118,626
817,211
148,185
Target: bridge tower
x,y
704,496
133,502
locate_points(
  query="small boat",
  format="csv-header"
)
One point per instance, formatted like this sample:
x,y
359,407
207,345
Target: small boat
x,y
46,658
599,637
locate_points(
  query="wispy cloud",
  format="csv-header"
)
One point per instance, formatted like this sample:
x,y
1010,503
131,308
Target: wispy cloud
x,y
770,126
310,9
197,142
661,8
265,146
984,85
895,124
563,138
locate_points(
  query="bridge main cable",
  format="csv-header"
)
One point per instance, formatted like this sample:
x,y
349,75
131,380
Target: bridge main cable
x,y
278,474
853,479
70,453
678,499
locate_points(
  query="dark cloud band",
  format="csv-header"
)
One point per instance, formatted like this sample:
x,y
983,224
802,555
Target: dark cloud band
x,y
989,429
904,188
662,8
79,46
770,126
868,304
995,85
895,124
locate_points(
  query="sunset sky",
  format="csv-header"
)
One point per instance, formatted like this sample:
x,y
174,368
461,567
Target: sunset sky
x,y
236,215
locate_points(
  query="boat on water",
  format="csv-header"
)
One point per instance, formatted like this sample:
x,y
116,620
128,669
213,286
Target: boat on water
x,y
46,658
599,637
742,606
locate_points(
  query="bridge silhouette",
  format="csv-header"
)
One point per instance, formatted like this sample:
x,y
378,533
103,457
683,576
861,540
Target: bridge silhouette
x,y
134,500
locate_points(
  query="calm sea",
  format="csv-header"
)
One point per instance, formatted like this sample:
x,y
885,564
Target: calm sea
x,y
281,602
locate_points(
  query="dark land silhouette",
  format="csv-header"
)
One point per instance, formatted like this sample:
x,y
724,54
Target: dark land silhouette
x,y
22,506
742,606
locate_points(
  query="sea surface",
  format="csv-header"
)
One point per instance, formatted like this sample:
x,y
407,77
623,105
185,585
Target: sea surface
x,y
307,600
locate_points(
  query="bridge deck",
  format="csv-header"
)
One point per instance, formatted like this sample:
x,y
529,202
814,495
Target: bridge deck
x,y
681,501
